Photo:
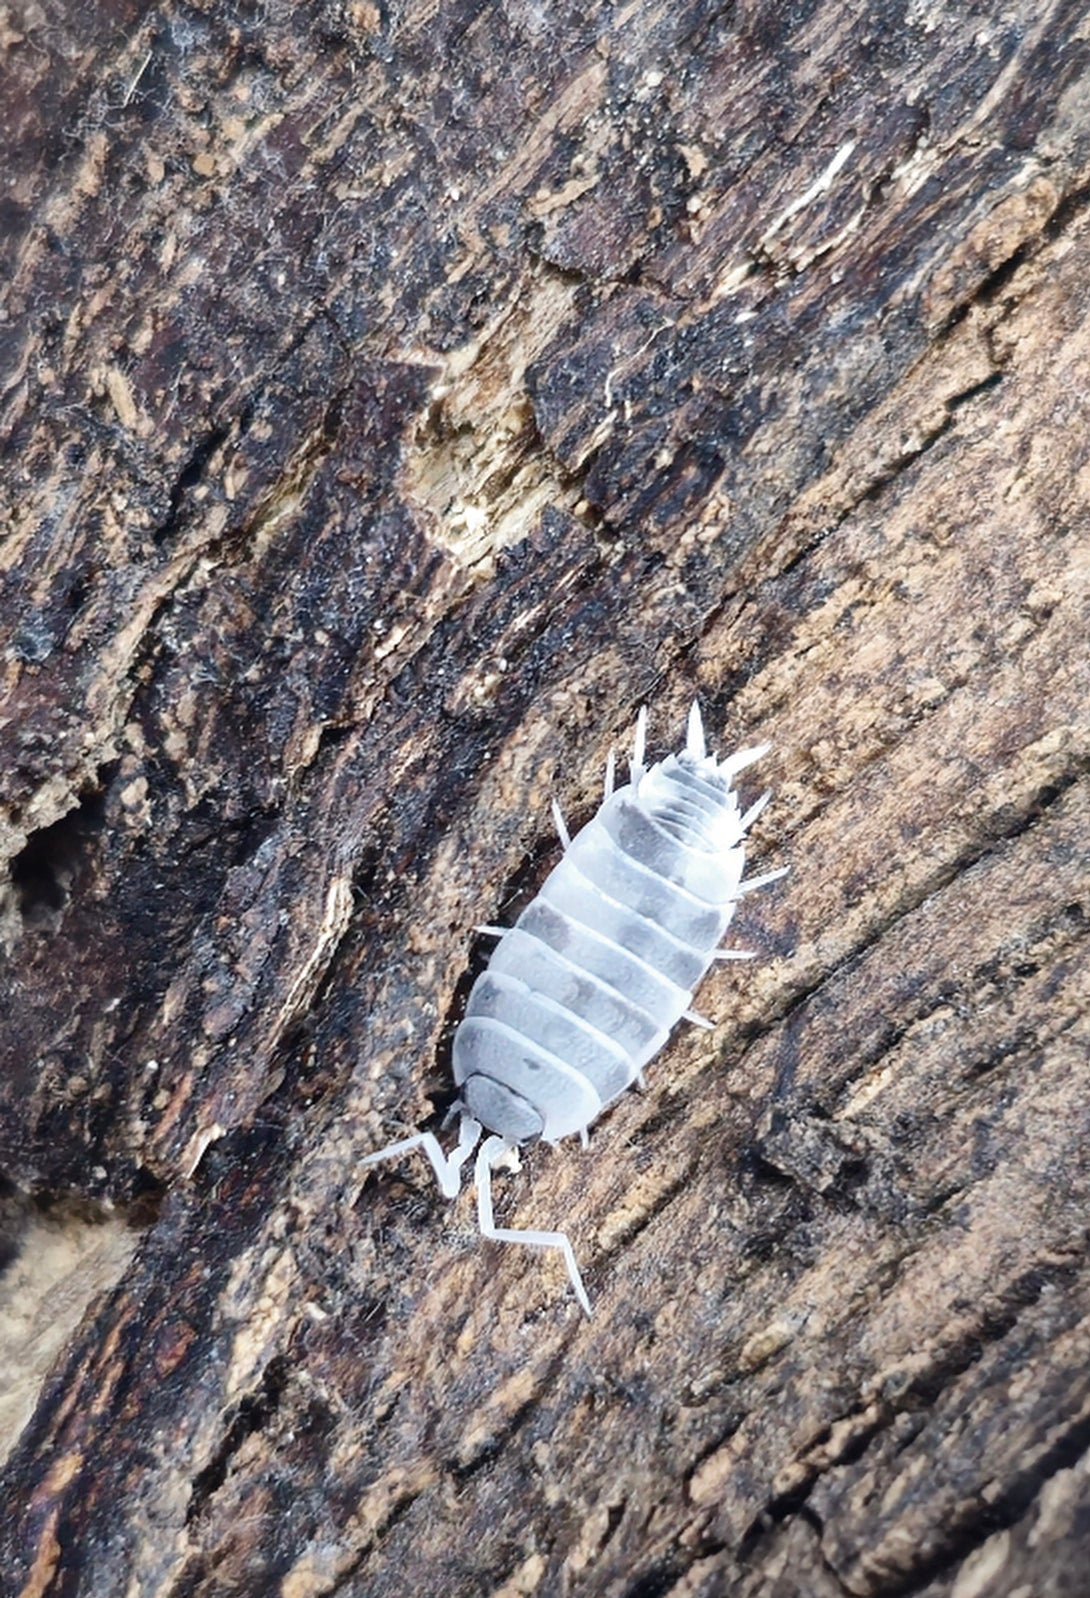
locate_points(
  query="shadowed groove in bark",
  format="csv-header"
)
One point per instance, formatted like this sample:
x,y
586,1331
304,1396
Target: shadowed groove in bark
x,y
194,470
920,1396
251,1415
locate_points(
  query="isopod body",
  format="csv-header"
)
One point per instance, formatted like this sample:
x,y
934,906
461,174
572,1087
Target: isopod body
x,y
585,988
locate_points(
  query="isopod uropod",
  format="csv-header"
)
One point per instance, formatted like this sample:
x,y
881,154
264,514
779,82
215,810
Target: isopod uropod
x,y
587,985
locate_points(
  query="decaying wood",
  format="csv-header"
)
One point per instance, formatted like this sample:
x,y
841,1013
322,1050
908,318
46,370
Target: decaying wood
x,y
394,399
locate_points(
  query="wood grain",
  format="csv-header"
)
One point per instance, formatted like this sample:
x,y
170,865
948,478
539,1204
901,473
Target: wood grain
x,y
394,399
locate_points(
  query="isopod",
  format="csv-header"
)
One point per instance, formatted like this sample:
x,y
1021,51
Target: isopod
x,y
587,985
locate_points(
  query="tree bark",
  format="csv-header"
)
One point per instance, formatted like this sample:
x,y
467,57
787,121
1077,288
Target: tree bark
x,y
395,399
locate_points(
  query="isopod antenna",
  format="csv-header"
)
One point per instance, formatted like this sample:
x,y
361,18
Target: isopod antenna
x,y
448,1171
490,1152
447,1168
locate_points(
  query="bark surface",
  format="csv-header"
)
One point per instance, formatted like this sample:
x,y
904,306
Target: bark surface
x,y
394,398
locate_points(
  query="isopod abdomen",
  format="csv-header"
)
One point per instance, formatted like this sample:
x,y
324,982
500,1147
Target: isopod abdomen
x,y
585,988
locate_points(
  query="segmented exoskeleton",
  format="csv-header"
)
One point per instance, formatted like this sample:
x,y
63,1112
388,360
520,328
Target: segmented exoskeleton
x,y
585,988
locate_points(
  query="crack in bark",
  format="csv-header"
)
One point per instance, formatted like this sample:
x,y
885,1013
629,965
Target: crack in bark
x,y
984,295
929,439
920,1395
1035,808
1067,211
982,1521
193,471
252,1414
886,475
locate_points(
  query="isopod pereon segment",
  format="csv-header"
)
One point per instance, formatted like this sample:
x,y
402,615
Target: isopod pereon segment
x,y
585,988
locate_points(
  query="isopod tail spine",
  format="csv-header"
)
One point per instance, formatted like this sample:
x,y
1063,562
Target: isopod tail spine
x,y
733,764
754,811
561,825
752,883
611,776
695,744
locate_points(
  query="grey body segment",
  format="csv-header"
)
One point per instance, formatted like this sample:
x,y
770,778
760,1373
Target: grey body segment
x,y
562,1032
561,1094
607,1007
584,903
599,859
630,977
709,875
585,989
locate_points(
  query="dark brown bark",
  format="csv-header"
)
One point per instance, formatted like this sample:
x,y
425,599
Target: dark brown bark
x,y
394,399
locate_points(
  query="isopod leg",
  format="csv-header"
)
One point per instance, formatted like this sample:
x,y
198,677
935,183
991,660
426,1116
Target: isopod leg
x,y
469,1131
491,1150
753,883
611,775
448,1171
561,824
733,764
753,812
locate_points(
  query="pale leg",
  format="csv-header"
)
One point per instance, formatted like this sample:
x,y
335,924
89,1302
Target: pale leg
x,y
752,883
733,764
561,824
753,812
490,1151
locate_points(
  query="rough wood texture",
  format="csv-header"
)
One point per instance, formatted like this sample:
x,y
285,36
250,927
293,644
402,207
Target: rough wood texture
x,y
394,398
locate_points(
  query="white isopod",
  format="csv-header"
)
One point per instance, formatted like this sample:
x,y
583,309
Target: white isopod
x,y
587,985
